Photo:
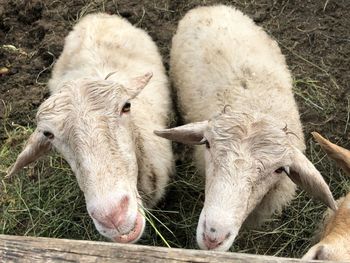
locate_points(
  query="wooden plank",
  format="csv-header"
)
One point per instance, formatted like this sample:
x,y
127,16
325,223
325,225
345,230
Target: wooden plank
x,y
36,249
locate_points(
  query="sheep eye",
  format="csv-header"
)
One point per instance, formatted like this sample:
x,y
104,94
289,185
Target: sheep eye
x,y
280,170
126,107
48,135
205,141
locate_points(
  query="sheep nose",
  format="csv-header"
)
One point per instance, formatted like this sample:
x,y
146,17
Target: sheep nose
x,y
114,217
212,240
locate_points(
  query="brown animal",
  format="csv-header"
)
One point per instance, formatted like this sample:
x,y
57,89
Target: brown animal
x,y
335,236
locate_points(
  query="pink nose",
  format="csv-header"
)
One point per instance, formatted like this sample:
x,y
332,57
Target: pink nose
x,y
212,242
114,217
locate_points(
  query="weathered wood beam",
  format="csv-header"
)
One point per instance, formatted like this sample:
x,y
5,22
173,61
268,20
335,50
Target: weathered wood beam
x,y
37,249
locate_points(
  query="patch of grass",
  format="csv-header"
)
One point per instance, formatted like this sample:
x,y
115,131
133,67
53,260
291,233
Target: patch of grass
x,y
42,200
316,96
45,200
178,213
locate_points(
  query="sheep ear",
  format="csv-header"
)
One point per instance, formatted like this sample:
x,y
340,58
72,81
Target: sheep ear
x,y
36,146
335,152
191,133
135,85
317,252
304,174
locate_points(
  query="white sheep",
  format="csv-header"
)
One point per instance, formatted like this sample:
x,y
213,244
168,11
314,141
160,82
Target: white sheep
x,y
335,233
221,60
119,163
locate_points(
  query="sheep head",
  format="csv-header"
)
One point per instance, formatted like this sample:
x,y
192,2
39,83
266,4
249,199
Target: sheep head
x,y
245,156
89,122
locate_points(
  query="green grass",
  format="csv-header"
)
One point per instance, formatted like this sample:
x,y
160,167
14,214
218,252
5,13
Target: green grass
x,y
44,200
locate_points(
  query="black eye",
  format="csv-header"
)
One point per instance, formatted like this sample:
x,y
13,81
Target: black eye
x,y
48,135
126,107
280,170
207,144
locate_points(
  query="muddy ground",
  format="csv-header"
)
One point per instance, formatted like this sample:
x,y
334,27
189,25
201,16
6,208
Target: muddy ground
x,y
313,35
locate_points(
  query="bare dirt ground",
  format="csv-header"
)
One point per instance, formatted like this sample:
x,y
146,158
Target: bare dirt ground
x,y
313,35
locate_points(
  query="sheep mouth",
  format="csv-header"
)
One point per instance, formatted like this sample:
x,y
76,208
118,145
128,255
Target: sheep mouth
x,y
134,234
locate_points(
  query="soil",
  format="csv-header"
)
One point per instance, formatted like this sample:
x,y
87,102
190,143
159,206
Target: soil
x,y
313,35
